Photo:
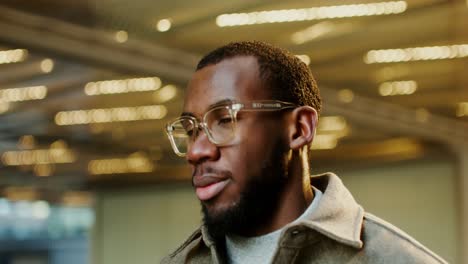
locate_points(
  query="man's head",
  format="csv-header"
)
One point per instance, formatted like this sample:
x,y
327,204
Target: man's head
x,y
283,74
240,183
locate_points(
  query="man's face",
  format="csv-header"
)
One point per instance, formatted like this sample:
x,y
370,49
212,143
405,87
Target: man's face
x,y
233,181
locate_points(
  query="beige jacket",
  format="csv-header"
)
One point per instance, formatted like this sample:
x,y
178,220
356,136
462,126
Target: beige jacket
x,y
339,231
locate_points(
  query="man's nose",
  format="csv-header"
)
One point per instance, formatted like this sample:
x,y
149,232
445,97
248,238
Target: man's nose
x,y
201,149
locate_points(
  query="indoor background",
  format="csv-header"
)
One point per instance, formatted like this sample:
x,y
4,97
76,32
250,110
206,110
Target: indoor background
x,y
87,174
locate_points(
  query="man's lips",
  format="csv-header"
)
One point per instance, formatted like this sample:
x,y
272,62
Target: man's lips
x,y
209,185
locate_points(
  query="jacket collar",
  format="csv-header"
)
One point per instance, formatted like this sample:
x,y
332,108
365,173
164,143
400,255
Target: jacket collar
x,y
337,215
209,241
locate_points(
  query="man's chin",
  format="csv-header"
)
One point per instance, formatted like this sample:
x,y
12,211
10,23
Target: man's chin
x,y
216,210
214,219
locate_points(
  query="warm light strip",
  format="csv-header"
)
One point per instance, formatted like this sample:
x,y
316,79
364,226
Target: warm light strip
x,y
165,94
135,163
312,32
39,156
4,106
304,58
398,88
10,56
107,115
23,93
325,142
416,54
77,198
462,109
330,130
314,13
332,124
21,193
122,86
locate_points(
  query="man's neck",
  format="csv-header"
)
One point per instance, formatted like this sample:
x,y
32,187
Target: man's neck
x,y
294,199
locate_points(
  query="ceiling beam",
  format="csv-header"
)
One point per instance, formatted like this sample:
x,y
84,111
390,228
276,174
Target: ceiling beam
x,y
437,98
396,119
93,46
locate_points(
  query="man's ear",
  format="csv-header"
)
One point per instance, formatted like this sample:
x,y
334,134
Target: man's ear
x,y
304,120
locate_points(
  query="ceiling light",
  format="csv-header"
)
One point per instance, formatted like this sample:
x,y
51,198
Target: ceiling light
x,y
332,124
134,163
4,106
38,156
122,86
47,65
346,95
163,25
324,142
27,142
43,170
330,130
312,32
304,58
416,54
462,109
398,88
108,115
23,93
165,94
314,13
10,56
121,36
57,153
321,30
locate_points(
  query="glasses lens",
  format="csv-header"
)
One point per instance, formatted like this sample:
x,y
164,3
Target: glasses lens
x,y
221,124
180,133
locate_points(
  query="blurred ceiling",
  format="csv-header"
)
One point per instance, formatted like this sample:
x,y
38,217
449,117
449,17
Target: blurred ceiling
x,y
392,74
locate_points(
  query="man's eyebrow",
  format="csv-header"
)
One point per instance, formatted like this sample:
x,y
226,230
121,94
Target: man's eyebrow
x,y
187,114
218,103
221,102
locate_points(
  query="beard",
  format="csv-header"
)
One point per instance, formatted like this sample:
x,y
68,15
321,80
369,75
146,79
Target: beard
x,y
257,203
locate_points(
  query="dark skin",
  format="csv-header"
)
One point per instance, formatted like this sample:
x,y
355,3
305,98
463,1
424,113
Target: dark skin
x,y
238,79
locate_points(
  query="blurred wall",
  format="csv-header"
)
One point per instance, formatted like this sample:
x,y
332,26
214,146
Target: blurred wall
x,y
418,197
141,226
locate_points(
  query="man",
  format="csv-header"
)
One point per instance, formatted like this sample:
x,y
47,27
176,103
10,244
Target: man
x,y
250,115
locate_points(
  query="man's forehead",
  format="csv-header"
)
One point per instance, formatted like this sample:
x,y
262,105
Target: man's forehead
x,y
199,107
228,71
213,105
234,79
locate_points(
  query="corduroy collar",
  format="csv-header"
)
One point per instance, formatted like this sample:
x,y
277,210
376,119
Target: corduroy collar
x,y
337,214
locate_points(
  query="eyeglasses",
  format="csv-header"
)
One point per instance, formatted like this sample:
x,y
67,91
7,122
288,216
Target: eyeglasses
x,y
219,123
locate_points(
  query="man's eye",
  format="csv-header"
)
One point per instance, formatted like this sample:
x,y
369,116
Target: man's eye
x,y
225,120
189,132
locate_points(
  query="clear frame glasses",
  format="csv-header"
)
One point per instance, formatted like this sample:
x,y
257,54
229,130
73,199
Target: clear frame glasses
x,y
219,123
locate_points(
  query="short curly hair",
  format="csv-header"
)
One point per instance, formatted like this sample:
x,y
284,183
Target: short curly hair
x,y
289,78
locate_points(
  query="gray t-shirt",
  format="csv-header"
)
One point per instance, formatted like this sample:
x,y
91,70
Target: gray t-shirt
x,y
260,249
